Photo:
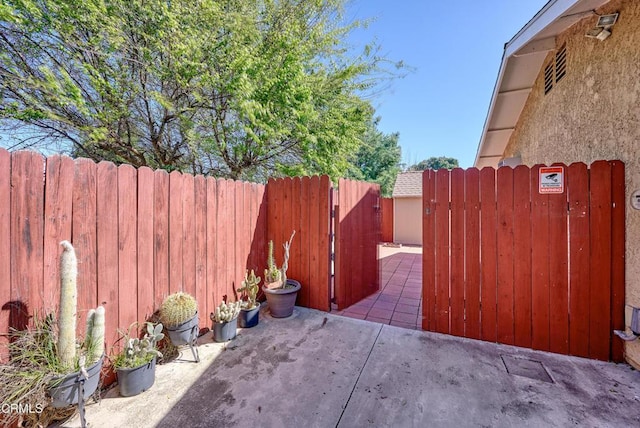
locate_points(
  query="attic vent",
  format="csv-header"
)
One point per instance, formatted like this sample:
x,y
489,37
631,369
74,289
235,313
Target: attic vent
x,y
548,77
555,70
561,63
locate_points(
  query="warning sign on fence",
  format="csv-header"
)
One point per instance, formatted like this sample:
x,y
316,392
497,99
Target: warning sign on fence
x,y
552,179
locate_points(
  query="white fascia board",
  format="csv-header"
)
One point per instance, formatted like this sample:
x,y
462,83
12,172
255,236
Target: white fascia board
x,y
551,11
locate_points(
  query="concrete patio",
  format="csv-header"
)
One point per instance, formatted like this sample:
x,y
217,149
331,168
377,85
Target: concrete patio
x,y
320,370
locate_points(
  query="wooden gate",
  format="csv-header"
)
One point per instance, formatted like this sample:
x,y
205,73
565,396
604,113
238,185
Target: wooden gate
x,y
357,236
303,204
506,263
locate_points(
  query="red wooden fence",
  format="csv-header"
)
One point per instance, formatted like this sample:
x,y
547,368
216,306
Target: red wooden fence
x,y
386,219
504,263
139,235
303,204
357,237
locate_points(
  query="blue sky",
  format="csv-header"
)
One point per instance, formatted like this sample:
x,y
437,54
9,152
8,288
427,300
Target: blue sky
x,y
455,48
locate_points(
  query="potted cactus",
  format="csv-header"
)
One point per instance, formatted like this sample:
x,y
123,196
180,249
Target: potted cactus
x,y
250,309
83,368
280,291
179,315
136,364
49,368
224,321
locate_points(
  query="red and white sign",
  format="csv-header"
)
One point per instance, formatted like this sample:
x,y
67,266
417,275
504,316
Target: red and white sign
x,y
551,179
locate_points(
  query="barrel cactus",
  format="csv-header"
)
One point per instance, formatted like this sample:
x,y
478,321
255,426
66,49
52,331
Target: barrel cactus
x,y
177,309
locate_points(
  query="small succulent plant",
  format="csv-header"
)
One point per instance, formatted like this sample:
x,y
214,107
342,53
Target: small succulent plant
x,y
177,308
249,290
137,351
226,312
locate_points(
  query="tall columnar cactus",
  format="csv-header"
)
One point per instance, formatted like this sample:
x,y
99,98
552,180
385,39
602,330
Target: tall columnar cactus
x,y
66,346
177,308
271,273
94,337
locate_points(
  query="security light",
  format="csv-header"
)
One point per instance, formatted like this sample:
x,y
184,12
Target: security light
x,y
601,30
607,20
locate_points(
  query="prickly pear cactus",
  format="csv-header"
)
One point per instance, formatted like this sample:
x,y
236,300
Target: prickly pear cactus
x,y
178,308
226,312
249,289
66,346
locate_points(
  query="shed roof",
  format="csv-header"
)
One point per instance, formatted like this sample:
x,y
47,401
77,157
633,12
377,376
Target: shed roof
x,y
522,60
408,184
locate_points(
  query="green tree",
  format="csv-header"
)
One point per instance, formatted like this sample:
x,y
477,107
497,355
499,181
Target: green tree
x,y
441,162
231,88
378,159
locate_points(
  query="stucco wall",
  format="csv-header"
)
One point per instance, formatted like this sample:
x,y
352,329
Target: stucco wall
x,y
592,114
407,221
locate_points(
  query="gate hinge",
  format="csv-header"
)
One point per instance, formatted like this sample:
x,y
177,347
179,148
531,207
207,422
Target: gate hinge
x,y
333,213
333,257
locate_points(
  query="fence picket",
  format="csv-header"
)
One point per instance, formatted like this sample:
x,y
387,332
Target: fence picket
x,y
472,252
600,263
188,235
540,265
428,250
161,237
85,235
57,227
127,246
176,233
107,244
558,274
6,311
488,215
145,221
442,251
457,253
522,256
579,279
618,204
504,185
210,292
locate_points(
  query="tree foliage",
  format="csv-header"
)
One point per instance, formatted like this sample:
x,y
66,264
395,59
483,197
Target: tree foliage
x,y
231,88
441,162
378,159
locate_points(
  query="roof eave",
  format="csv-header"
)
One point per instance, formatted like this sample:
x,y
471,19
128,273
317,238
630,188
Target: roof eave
x,y
522,60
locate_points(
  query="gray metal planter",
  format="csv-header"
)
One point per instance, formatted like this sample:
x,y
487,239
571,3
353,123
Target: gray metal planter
x,y
133,381
282,300
224,331
66,391
186,334
249,317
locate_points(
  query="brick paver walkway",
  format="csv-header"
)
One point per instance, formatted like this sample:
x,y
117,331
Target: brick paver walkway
x,y
399,301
